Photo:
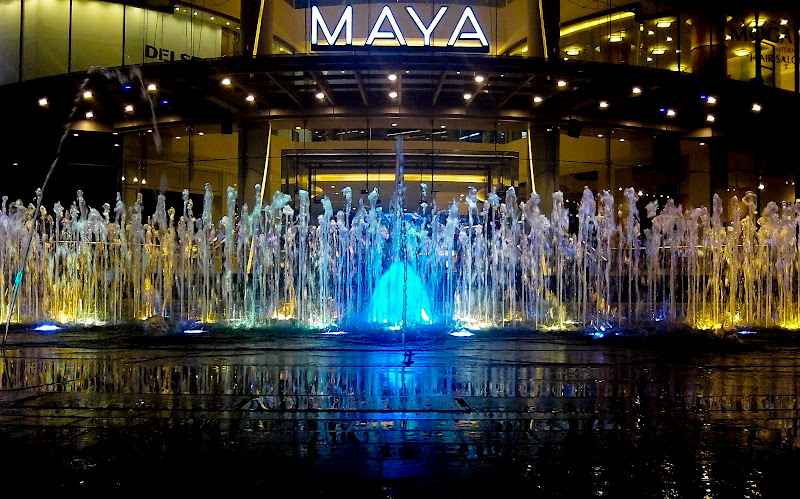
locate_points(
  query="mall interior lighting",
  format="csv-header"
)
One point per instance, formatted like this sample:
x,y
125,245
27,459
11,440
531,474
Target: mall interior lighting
x,y
711,118
603,104
250,98
756,107
129,108
637,90
562,83
537,99
152,87
144,181
392,77
393,94
43,102
711,99
320,95
226,81
467,96
479,78
87,94
89,115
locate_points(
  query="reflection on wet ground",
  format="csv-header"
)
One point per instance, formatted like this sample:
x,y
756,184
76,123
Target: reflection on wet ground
x,y
308,414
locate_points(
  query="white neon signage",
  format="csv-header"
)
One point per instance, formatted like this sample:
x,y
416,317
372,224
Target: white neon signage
x,y
346,22
386,15
426,31
345,25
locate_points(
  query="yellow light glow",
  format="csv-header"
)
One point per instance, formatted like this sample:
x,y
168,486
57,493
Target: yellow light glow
x,y
664,23
591,23
409,177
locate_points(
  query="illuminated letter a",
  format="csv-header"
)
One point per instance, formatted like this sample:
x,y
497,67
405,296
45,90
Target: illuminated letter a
x,y
475,35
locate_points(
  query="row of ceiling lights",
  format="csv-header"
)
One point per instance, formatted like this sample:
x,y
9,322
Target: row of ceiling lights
x,y
603,104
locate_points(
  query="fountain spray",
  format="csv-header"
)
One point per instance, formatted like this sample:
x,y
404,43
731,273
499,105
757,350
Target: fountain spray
x,y
134,74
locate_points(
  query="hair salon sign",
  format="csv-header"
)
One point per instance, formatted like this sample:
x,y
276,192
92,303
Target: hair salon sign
x,y
448,28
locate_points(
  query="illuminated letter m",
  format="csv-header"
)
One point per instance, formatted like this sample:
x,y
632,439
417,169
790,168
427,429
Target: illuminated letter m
x,y
345,22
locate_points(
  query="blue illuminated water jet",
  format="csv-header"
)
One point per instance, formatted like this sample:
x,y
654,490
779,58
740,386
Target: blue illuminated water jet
x,y
386,304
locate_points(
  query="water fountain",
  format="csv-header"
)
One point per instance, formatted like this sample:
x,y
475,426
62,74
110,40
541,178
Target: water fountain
x,y
503,263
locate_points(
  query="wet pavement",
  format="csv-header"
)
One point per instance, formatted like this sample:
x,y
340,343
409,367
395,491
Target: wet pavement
x,y
301,413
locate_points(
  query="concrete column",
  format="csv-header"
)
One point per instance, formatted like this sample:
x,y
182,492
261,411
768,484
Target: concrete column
x,y
252,153
544,18
707,42
258,17
545,143
718,167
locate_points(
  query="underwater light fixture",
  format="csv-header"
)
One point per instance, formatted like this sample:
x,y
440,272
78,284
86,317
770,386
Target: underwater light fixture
x,y
463,333
47,328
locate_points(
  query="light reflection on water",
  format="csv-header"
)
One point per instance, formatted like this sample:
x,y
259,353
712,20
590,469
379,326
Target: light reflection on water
x,y
557,416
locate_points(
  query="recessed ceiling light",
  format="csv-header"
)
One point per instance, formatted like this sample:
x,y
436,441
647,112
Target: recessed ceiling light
x,y
152,87
479,78
537,99
89,115
43,102
129,108
671,113
226,81
603,104
467,96
392,77
298,127
442,126
711,99
711,118
562,83
87,94
394,124
250,98
756,107
320,95
393,94
637,90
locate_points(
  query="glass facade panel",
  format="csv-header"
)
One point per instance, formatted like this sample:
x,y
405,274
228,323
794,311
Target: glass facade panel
x,y
45,47
10,16
96,34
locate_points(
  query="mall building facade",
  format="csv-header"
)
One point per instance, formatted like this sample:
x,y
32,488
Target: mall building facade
x,y
676,99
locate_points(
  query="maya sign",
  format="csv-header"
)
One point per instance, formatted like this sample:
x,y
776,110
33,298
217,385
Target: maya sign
x,y
466,32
